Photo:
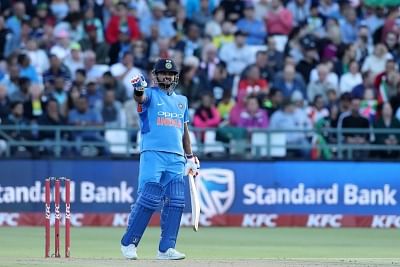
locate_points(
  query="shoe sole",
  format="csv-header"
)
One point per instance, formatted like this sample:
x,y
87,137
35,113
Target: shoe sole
x,y
174,259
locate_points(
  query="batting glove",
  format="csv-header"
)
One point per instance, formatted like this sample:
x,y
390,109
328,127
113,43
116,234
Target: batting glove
x,y
139,83
192,165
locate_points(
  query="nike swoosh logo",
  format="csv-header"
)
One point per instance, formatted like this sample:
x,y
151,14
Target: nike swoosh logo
x,y
159,104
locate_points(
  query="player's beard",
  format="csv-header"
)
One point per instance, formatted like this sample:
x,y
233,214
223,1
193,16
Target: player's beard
x,y
168,84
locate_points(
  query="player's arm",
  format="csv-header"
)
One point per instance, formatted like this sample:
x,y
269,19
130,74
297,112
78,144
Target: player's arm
x,y
139,84
192,162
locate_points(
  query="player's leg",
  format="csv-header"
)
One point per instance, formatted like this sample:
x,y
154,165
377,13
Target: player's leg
x,y
149,198
171,213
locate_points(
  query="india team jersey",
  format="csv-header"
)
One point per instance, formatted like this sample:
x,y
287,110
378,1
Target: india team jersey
x,y
162,119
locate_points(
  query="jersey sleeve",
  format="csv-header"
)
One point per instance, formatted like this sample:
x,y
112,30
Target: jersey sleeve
x,y
147,100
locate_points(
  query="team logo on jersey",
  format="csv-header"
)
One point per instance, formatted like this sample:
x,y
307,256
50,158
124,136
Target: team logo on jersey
x,y
180,105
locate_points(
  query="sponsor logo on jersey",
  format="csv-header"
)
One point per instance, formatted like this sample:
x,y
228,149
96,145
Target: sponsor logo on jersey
x,y
173,119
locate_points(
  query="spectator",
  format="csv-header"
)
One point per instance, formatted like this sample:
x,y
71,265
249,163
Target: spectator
x,y
110,82
317,111
22,95
355,121
350,79
56,69
226,36
191,45
125,70
204,13
59,93
5,39
121,46
387,121
349,26
329,8
62,46
59,8
213,26
225,106
253,83
310,60
74,60
51,117
157,19
220,83
320,86
189,85
92,42
93,70
331,78
387,81
26,69
209,62
266,71
240,105
14,23
206,115
122,19
10,80
275,57
73,24
38,57
288,119
5,103
376,61
21,131
314,21
111,110
288,82
233,9
93,94
91,20
273,102
85,117
200,8
181,23
253,116
279,20
255,29
368,105
236,55
34,107
300,10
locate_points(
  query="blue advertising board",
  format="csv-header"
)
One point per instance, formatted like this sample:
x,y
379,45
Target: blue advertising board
x,y
355,188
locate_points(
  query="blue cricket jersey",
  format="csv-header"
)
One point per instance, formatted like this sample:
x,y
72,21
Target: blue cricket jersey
x,y
162,119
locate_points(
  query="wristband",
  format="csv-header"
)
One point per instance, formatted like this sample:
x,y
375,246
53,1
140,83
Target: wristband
x,y
189,156
138,92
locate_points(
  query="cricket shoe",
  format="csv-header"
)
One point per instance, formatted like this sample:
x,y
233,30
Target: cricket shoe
x,y
170,254
129,252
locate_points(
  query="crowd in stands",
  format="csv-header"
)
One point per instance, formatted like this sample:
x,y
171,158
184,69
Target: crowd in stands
x,y
261,64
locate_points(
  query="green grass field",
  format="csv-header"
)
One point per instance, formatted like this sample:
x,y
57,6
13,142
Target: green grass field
x,y
213,247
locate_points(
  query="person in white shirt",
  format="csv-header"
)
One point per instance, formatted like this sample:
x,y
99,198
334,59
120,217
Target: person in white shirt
x,y
237,55
350,79
39,58
377,60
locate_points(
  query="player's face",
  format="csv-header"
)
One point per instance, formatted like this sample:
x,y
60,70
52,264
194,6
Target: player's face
x,y
165,77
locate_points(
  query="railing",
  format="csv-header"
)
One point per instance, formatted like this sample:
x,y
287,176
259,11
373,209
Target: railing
x,y
209,142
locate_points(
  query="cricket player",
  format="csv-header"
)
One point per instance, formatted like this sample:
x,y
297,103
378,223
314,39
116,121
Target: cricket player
x,y
165,157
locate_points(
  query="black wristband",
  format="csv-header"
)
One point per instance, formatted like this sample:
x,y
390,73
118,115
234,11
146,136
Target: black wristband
x,y
138,92
189,156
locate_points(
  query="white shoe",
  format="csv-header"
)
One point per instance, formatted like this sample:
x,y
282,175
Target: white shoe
x,y
170,254
129,252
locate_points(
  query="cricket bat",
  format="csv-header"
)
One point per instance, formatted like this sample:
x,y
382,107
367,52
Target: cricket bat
x,y
195,201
